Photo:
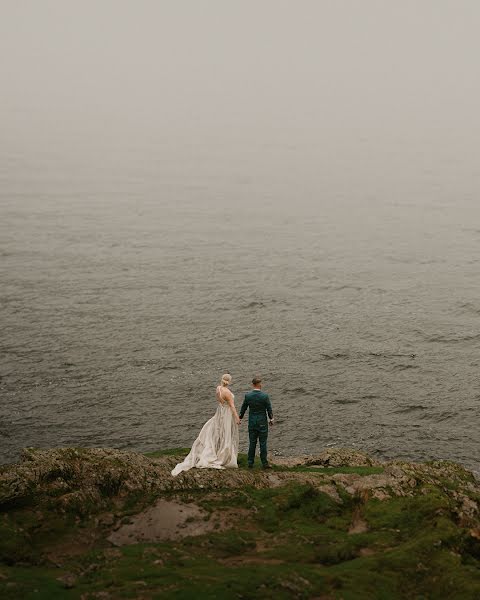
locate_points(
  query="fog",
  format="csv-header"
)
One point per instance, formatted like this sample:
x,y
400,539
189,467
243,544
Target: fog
x,y
334,73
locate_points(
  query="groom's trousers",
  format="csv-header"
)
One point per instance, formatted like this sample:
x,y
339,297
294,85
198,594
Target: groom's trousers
x,y
257,430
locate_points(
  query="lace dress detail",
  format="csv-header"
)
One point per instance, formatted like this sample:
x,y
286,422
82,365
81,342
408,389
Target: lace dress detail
x,y
216,447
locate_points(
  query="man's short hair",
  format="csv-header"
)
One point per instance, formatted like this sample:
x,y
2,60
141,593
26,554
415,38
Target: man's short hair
x,y
256,380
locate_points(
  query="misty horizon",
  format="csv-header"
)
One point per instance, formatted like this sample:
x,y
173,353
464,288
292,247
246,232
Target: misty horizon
x,y
318,78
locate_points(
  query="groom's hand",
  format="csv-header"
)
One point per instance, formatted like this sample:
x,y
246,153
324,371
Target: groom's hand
x,y
270,422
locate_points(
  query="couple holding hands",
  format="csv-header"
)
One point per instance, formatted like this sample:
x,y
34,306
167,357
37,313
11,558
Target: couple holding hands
x,y
216,447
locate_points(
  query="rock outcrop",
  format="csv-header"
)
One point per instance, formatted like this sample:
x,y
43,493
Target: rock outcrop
x,y
85,479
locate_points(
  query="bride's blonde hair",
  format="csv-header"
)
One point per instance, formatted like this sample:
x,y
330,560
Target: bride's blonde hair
x,y
226,379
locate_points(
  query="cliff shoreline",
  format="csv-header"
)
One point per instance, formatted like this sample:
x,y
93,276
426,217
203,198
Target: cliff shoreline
x,y
103,523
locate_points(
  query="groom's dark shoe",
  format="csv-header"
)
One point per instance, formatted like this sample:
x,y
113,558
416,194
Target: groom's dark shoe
x,y
267,466
250,466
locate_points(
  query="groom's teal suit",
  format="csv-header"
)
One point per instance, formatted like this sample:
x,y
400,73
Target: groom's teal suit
x,y
259,406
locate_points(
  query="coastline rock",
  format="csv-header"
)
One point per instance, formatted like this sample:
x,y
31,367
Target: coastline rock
x,y
342,457
85,479
330,457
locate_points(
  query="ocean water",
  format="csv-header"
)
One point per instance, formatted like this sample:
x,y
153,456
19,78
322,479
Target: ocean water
x,y
132,279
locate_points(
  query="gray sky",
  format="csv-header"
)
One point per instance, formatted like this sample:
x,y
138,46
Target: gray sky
x,y
271,69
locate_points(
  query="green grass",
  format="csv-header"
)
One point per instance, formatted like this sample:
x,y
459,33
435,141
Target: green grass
x,y
29,583
243,464
298,539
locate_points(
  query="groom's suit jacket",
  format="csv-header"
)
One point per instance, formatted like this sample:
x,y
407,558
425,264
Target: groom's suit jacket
x,y
259,405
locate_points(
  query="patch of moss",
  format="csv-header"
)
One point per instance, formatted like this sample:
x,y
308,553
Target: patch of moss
x,y
14,543
226,543
408,514
34,583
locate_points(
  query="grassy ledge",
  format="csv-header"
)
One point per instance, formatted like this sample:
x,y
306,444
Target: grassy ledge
x,y
100,524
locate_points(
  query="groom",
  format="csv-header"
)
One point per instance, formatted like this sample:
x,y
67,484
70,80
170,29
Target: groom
x,y
259,404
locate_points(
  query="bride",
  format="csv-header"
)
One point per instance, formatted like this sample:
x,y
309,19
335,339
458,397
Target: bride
x,y
216,447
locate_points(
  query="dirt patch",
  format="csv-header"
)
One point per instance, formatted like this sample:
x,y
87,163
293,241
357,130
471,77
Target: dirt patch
x,y
274,480
358,525
166,520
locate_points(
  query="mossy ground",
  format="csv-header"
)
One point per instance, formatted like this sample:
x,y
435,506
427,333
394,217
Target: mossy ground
x,y
291,541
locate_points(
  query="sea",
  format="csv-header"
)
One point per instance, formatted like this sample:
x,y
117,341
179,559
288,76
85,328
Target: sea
x,y
134,274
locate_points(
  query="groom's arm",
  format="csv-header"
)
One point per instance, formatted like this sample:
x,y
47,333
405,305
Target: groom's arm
x,y
269,408
244,408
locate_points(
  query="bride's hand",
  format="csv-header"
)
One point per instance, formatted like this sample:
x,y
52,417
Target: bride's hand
x,y
239,421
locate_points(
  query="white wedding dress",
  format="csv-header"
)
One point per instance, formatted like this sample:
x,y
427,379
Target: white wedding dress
x,y
216,447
